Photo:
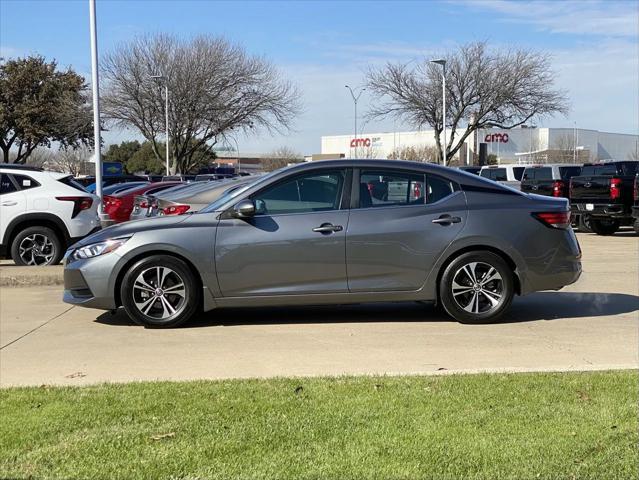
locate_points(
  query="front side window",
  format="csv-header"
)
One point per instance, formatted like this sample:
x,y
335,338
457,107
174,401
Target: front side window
x,y
6,185
382,188
310,192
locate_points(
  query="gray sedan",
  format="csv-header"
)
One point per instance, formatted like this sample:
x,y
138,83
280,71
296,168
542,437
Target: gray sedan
x,y
334,232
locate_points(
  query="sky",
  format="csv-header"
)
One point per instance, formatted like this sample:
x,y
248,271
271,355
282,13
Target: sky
x,y
322,46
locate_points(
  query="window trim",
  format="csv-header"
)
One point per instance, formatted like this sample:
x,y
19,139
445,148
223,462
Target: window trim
x,y
345,193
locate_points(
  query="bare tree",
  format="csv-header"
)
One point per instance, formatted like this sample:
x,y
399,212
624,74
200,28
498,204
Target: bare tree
x,y
68,160
215,89
281,157
419,153
484,89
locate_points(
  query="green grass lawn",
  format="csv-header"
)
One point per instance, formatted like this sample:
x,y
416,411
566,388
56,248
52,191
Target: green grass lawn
x,y
519,426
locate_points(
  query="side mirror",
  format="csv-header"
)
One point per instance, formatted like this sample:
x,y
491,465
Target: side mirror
x,y
244,209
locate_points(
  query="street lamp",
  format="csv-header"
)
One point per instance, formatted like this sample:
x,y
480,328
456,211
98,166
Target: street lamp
x,y
166,119
96,105
443,64
355,99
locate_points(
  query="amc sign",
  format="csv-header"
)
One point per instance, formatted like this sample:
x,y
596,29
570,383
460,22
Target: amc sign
x,y
496,138
366,142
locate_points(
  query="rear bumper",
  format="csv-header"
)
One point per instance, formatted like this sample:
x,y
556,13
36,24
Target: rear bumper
x,y
609,210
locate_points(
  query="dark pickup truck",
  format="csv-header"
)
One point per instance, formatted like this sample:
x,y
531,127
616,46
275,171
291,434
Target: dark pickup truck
x,y
602,194
550,179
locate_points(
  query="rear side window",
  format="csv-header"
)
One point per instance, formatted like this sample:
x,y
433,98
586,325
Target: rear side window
x,y
438,189
6,185
382,188
518,172
568,172
497,174
71,182
25,182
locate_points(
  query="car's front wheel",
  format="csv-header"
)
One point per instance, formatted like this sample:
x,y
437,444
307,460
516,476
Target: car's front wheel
x,y
477,287
160,291
36,246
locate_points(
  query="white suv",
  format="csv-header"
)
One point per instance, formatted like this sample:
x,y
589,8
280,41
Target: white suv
x,y
505,174
42,213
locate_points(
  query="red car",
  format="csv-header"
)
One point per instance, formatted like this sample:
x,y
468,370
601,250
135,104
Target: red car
x,y
120,206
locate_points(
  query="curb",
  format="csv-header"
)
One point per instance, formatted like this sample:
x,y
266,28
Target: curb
x,y
31,276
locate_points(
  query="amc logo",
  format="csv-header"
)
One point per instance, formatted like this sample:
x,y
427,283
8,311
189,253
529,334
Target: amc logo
x,y
360,142
496,137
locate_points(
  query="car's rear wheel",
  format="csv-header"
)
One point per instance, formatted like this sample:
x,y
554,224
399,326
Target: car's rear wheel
x,y
477,287
36,246
604,226
583,224
160,291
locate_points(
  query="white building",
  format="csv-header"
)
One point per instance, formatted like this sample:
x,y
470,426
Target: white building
x,y
518,145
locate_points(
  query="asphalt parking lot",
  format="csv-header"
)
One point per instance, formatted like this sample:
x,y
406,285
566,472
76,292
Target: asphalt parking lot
x,y
592,324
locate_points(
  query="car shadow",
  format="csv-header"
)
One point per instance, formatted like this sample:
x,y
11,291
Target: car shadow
x,y
534,307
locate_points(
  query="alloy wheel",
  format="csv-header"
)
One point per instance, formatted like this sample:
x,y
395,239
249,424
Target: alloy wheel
x,y
477,287
159,293
36,249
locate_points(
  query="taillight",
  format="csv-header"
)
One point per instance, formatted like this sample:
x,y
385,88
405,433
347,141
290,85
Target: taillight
x,y
144,204
417,190
175,209
558,188
79,203
615,188
554,219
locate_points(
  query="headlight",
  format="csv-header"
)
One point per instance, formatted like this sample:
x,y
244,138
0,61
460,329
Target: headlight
x,y
95,249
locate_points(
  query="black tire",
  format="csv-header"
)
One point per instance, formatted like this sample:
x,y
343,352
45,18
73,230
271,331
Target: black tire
x,y
487,310
36,246
583,224
635,225
604,226
137,296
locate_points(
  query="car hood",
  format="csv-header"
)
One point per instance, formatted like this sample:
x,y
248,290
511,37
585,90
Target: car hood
x,y
130,228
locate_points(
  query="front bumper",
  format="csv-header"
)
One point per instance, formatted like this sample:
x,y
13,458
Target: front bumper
x,y
87,281
609,210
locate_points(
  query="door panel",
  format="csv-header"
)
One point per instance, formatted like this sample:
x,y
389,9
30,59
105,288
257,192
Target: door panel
x,y
12,203
281,254
394,248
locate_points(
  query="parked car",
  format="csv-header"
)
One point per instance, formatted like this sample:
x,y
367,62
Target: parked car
x,y
602,194
550,179
119,205
207,177
314,234
505,174
635,204
112,180
145,206
194,199
120,187
470,169
42,213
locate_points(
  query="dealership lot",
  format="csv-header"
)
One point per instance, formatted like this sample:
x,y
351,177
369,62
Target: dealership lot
x,y
589,325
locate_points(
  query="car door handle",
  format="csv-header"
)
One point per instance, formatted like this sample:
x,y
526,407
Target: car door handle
x,y
328,228
9,203
446,220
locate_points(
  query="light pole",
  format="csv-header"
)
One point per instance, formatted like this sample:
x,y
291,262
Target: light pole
x,y
96,104
355,100
443,64
166,117
239,160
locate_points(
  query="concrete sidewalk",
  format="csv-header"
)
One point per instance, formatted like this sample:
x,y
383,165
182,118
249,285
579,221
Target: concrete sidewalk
x,y
590,325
